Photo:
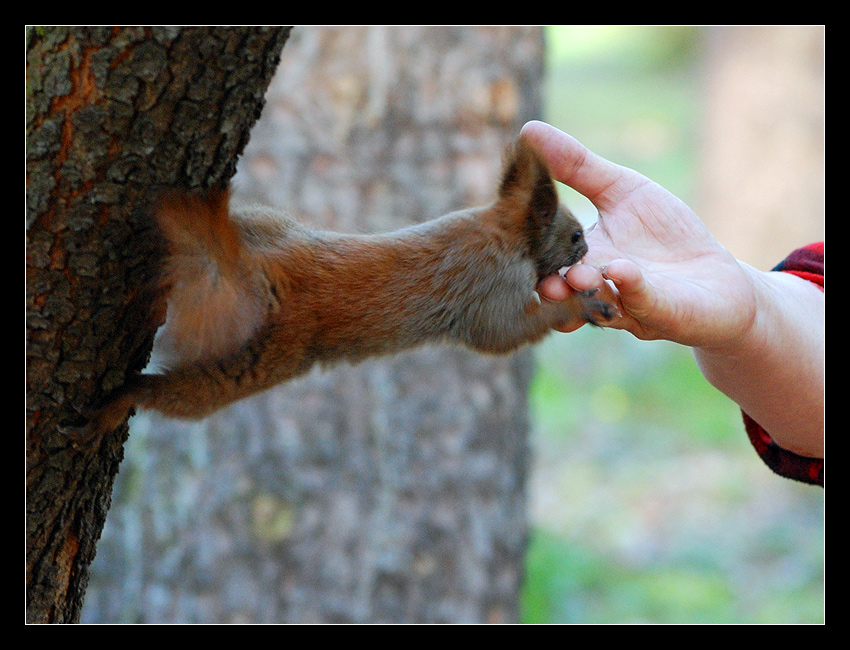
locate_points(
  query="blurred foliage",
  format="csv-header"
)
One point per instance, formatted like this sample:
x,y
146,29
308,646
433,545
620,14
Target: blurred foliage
x,y
632,93
648,503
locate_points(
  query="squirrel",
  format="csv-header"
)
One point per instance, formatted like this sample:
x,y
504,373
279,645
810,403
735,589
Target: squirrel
x,y
257,298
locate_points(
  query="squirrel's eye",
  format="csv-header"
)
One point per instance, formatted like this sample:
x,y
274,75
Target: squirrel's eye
x,y
576,237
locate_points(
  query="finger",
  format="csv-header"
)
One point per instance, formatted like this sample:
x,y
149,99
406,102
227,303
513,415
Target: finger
x,y
598,306
581,278
584,277
553,288
636,295
604,183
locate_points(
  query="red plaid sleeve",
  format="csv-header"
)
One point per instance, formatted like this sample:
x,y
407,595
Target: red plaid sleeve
x,y
807,263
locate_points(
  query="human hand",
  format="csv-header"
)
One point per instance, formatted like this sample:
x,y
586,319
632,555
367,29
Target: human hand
x,y
671,278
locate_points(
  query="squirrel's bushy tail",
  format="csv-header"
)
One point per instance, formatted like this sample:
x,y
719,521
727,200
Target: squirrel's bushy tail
x,y
216,297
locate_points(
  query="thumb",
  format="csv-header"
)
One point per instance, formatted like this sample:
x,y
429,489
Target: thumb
x,y
636,295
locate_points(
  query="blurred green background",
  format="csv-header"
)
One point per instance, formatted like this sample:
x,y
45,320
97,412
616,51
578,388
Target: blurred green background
x,y
648,503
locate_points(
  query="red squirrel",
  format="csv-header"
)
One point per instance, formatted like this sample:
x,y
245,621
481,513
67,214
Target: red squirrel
x,y
257,298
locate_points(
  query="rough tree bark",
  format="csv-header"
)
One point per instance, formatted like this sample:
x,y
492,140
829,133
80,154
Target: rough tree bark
x,y
112,113
392,491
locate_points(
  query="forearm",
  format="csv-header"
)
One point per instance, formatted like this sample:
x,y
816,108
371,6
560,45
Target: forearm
x,y
775,373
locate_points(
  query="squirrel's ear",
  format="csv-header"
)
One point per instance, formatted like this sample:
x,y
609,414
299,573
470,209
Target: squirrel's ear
x,y
527,186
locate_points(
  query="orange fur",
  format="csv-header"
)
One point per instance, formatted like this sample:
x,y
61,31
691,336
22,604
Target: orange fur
x,y
257,298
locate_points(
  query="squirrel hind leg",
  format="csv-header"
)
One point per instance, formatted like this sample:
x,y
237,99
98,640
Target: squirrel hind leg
x,y
210,317
106,419
218,292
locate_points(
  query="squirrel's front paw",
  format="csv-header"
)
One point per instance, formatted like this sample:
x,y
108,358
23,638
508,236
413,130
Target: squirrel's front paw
x,y
594,309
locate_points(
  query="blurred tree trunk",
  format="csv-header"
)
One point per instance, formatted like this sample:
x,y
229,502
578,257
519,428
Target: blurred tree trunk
x,y
111,114
393,491
763,167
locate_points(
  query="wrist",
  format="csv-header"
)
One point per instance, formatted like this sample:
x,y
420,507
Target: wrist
x,y
744,329
775,369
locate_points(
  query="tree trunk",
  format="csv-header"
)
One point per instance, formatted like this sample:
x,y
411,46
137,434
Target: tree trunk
x,y
392,491
112,113
763,161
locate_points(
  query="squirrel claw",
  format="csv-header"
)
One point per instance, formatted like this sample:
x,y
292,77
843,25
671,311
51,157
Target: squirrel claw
x,y
534,302
82,435
95,424
597,311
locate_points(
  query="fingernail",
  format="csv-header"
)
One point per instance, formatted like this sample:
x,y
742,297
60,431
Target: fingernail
x,y
604,271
